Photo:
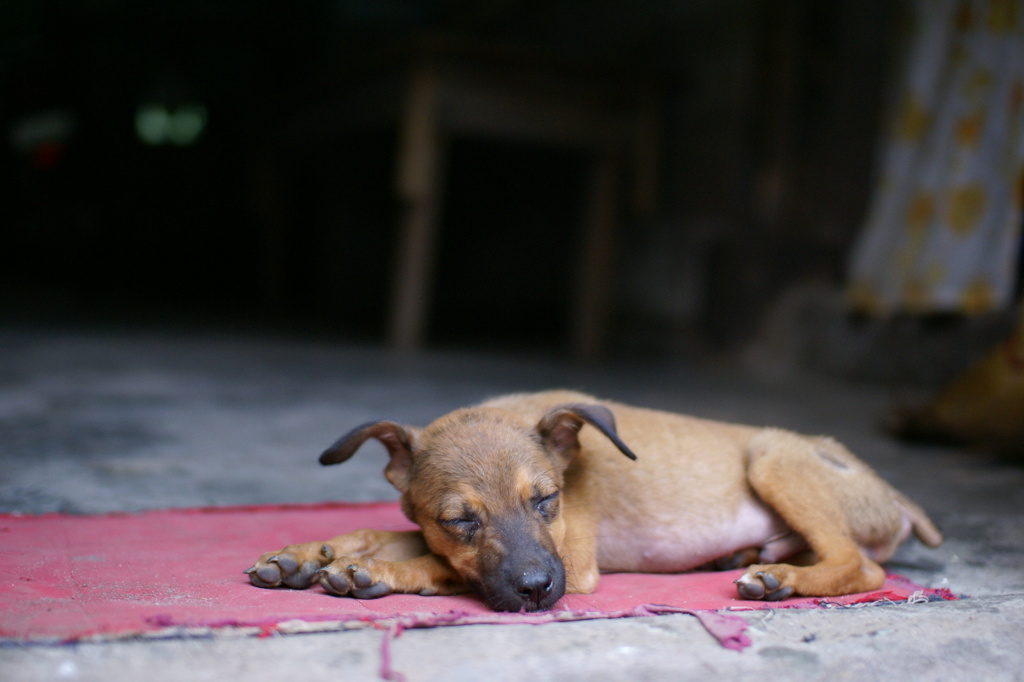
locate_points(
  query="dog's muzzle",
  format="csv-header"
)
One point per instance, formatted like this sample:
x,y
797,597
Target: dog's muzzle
x,y
533,587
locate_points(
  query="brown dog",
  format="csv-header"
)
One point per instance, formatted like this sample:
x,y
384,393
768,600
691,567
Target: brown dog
x,y
519,503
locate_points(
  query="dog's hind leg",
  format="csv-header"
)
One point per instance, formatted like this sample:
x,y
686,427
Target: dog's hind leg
x,y
833,501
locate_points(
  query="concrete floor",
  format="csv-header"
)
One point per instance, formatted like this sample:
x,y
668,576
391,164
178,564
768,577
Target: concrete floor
x,y
96,422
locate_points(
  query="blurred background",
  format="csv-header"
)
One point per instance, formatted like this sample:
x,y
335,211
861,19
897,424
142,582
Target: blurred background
x,y
580,178
231,230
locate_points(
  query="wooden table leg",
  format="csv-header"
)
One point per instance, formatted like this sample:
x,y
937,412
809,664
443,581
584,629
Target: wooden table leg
x,y
419,190
593,285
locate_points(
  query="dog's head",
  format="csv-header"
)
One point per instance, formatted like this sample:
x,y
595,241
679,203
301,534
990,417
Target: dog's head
x,y
485,486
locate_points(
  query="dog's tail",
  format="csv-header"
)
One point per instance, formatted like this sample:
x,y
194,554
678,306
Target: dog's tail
x,y
923,528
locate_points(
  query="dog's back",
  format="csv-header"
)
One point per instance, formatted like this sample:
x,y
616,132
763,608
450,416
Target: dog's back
x,y
687,500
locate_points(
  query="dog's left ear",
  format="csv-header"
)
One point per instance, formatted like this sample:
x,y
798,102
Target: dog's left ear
x,y
560,427
399,440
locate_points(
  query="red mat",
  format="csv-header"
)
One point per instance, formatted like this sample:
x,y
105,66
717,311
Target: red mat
x,y
179,572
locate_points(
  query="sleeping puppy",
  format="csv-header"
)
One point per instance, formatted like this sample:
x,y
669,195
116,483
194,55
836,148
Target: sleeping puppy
x,y
528,496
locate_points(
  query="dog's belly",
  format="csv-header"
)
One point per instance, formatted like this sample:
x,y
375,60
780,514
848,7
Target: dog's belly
x,y
668,544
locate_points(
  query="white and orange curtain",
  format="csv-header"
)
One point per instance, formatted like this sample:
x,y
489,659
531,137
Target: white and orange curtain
x,y
944,227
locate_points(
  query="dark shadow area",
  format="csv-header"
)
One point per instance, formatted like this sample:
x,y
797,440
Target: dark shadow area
x,y
232,164
506,270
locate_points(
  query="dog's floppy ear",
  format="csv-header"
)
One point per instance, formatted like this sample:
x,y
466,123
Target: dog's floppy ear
x,y
399,441
561,425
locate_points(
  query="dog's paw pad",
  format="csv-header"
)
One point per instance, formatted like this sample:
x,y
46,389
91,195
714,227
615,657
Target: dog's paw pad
x,y
333,583
302,576
762,586
287,563
374,591
361,578
749,589
262,579
295,566
770,581
264,574
779,595
353,580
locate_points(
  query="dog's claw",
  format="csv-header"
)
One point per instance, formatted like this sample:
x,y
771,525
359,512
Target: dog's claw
x,y
327,551
762,586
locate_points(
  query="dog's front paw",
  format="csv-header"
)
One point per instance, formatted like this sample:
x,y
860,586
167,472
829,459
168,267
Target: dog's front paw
x,y
294,566
759,583
352,577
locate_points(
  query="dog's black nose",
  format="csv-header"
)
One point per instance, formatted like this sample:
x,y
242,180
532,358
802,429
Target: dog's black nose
x,y
534,586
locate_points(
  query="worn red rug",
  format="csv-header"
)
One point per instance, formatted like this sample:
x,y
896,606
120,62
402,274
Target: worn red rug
x,y
179,573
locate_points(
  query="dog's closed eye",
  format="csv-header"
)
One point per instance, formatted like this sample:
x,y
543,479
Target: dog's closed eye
x,y
547,506
461,526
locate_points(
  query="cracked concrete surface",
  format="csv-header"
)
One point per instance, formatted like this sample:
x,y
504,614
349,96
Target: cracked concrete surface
x,y
96,422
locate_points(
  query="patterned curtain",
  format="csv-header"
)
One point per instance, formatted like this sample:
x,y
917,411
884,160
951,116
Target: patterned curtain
x,y
944,227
